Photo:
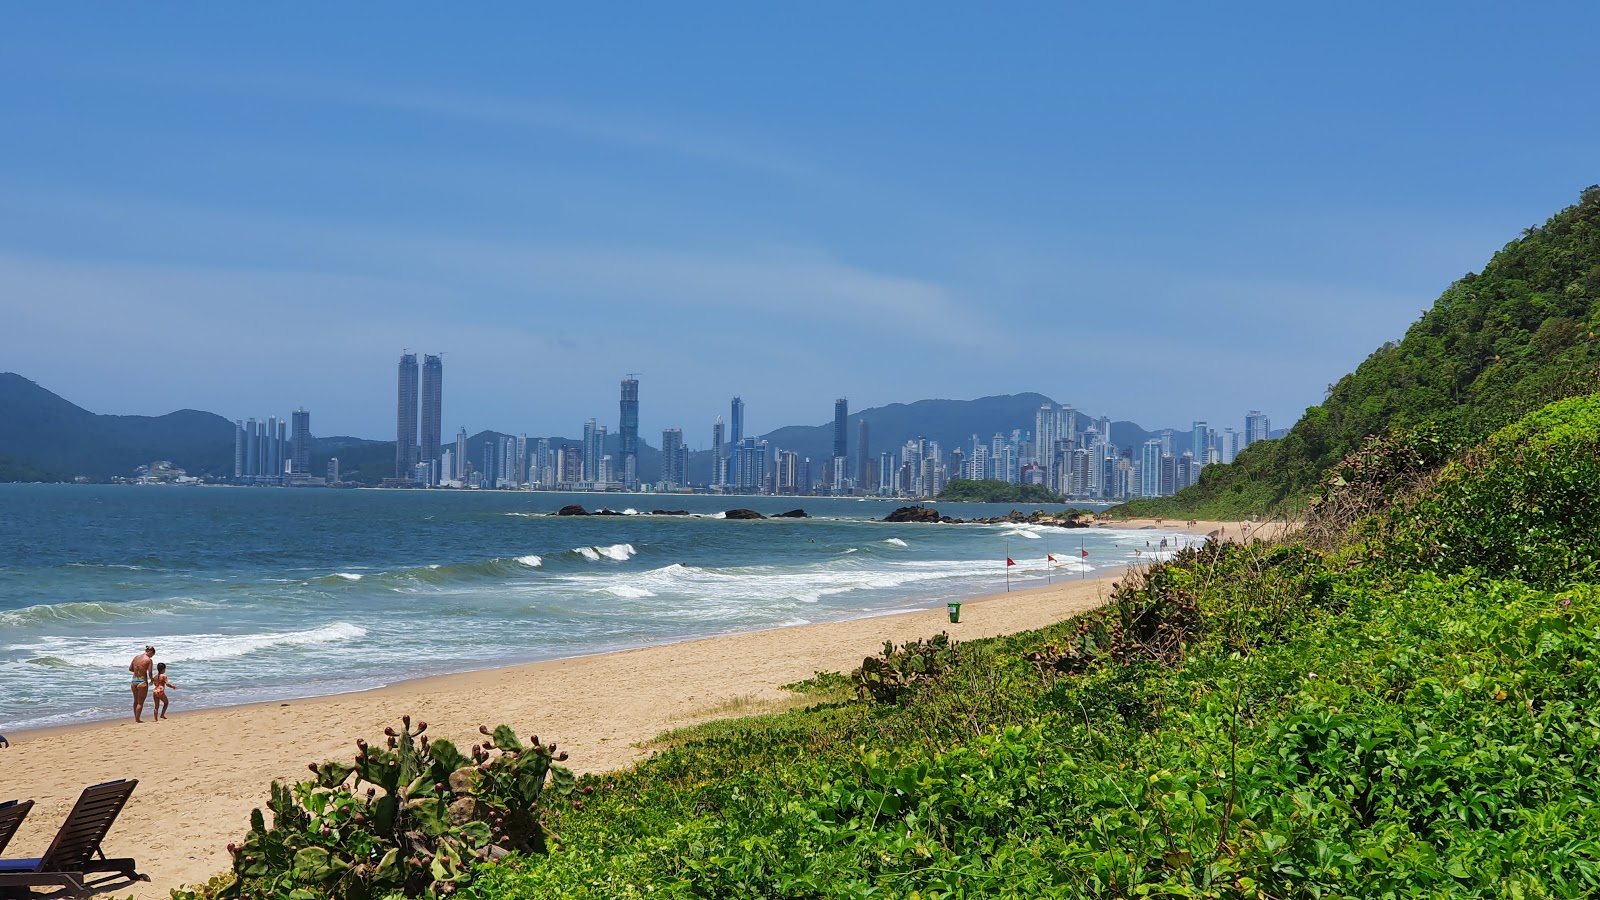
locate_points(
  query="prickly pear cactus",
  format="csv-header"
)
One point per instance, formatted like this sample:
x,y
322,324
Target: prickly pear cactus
x,y
889,676
407,817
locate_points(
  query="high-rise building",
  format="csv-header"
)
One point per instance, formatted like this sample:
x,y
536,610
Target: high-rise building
x,y
752,465
1230,445
300,447
333,470
628,428
786,479
283,447
241,442
253,449
1256,428
432,407
460,461
1150,469
719,456
1199,443
864,483
405,428
735,436
592,451
841,428
674,460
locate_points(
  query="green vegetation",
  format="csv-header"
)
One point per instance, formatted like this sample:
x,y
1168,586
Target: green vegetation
x,y
426,814
1495,346
12,469
1407,709
961,490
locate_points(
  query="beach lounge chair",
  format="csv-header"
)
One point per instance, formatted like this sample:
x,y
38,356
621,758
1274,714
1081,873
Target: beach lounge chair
x,y
11,815
72,855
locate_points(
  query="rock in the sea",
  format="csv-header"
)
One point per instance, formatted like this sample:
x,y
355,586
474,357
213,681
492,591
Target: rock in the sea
x,y
913,514
572,510
742,514
793,514
669,512
607,511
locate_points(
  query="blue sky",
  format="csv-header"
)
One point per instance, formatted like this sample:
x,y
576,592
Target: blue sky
x,y
1153,212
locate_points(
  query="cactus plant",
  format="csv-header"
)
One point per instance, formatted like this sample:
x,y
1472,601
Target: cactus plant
x,y
411,819
887,677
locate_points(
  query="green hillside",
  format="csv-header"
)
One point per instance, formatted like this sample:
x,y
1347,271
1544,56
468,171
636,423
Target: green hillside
x,y
1496,345
1404,715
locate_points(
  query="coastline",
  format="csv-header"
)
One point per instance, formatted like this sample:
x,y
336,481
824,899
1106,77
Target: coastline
x,y
201,772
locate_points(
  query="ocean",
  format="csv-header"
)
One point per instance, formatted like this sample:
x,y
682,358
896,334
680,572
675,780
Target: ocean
x,y
253,594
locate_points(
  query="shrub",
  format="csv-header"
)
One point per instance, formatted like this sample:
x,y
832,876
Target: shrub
x,y
1526,504
426,813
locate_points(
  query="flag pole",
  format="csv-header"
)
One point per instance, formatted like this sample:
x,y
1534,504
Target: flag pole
x,y
1049,576
1008,567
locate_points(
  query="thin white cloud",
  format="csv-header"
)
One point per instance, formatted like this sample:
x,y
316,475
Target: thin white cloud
x,y
633,130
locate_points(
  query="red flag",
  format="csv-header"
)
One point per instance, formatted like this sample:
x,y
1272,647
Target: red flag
x,y
1084,552
1010,562
1049,557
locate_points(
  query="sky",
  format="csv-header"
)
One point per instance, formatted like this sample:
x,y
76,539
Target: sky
x,y
1155,212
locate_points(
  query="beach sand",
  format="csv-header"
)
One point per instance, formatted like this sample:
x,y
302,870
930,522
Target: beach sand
x,y
201,772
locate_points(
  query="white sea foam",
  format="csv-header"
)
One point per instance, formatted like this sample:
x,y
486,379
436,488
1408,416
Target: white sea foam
x,y
348,576
1021,533
531,561
113,653
618,552
628,591
896,541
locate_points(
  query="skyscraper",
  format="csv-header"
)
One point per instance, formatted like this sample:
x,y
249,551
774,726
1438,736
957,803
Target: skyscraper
x,y
1150,469
432,407
629,429
735,435
282,444
864,483
674,458
300,457
719,456
841,431
460,459
593,449
274,466
1199,443
240,442
405,428
1256,428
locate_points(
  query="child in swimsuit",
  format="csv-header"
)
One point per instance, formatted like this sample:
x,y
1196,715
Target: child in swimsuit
x,y
160,685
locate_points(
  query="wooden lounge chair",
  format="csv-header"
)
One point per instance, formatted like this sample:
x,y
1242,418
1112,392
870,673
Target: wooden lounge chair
x,y
72,855
11,815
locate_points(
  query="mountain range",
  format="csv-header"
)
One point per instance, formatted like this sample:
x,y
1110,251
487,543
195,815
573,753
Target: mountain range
x,y
44,437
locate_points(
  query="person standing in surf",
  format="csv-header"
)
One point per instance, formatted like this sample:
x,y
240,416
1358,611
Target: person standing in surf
x,y
141,669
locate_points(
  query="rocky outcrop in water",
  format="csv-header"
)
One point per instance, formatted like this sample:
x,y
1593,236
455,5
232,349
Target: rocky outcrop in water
x,y
929,515
793,514
742,514
572,509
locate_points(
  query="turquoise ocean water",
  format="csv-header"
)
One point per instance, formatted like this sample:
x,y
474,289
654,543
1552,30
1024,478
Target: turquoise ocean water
x,y
260,594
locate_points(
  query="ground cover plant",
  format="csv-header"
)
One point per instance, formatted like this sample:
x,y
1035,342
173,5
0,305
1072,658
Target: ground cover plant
x,y
1409,710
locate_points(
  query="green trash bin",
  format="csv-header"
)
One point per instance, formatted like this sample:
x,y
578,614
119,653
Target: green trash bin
x,y
955,611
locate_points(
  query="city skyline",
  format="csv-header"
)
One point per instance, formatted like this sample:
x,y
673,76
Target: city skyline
x,y
1087,463
1130,222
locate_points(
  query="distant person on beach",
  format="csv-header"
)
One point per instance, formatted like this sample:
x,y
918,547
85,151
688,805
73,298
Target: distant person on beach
x,y
141,669
159,688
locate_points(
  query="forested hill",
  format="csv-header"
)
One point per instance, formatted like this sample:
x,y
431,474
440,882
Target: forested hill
x,y
1495,345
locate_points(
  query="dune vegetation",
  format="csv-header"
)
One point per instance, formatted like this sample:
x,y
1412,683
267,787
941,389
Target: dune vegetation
x,y
1401,704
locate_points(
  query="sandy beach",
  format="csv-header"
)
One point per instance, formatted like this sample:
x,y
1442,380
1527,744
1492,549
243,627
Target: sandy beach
x,y
201,772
